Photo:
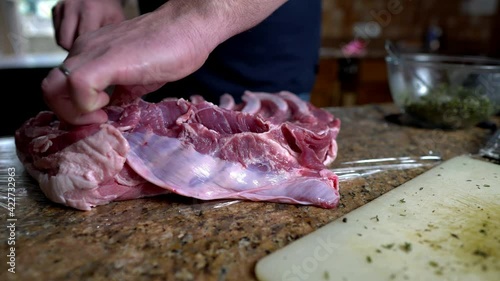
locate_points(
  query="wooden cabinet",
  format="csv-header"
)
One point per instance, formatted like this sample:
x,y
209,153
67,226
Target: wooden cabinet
x,y
373,85
326,91
370,86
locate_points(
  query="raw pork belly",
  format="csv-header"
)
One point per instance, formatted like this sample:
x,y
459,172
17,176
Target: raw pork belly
x,y
271,147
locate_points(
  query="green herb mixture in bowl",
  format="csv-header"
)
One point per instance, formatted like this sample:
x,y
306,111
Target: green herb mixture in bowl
x,y
447,92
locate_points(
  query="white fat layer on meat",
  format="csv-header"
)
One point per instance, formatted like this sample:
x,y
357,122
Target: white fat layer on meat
x,y
301,106
81,167
42,143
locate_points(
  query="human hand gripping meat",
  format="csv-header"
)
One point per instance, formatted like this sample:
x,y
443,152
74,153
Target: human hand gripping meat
x,y
137,55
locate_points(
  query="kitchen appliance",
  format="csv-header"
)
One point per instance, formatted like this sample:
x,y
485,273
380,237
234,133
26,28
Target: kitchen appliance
x,y
442,225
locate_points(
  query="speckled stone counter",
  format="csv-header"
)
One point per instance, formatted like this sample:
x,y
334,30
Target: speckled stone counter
x,y
174,238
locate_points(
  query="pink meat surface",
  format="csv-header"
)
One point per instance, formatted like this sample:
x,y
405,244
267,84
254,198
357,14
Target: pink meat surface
x,y
271,147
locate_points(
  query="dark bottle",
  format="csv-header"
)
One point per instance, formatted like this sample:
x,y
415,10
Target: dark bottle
x,y
433,37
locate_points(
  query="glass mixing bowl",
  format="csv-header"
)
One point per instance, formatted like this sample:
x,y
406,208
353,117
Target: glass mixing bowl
x,y
448,92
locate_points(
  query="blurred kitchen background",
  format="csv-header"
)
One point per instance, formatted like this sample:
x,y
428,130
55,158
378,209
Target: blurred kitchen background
x,y
457,27
462,27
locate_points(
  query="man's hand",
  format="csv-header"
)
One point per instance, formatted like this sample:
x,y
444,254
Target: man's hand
x,y
72,18
137,55
142,54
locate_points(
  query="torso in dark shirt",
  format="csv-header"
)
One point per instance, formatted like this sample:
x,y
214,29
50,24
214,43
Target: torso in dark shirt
x,y
281,53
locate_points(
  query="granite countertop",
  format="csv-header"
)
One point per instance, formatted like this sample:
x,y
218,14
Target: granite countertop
x,y
173,238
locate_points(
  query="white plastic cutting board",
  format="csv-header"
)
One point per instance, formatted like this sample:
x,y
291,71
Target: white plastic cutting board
x,y
441,225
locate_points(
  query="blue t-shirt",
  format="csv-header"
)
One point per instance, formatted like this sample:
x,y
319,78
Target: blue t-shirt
x,y
280,53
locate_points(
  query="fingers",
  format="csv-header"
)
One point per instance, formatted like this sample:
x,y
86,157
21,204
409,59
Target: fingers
x,y
72,18
56,93
56,19
83,91
66,19
89,22
78,98
85,96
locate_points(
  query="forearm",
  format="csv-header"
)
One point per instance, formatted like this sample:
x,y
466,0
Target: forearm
x,y
218,20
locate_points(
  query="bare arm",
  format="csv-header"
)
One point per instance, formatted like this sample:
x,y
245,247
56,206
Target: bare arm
x,y
142,54
225,17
